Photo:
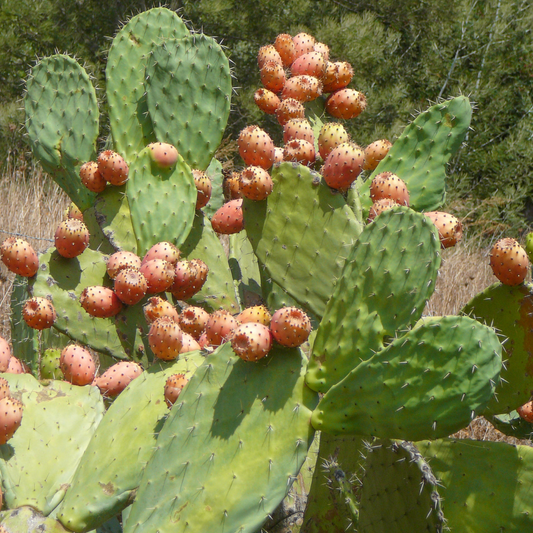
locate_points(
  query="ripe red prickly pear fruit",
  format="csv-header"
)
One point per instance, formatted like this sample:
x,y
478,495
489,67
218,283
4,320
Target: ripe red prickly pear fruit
x,y
113,168
272,76
164,155
77,365
202,270
73,211
251,341
302,88
323,49
162,250
290,326
156,308
203,342
193,320
232,186
389,185
509,261
379,206
188,343
331,136
336,76
309,64
450,228
256,147
229,218
189,278
130,286
165,338
278,155
117,377
266,101
284,44
19,257
5,354
16,366
303,43
256,183
71,238
173,387
268,53
526,411
299,151
159,274
10,418
289,108
203,187
39,313
220,327
298,128
343,165
345,103
4,389
90,177
100,302
375,152
120,260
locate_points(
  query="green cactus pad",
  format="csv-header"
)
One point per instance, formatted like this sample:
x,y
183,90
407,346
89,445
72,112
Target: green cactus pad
x,y
111,468
161,201
485,486
131,125
429,383
513,425
399,492
419,156
214,171
189,95
509,310
28,520
57,422
218,291
62,122
230,449
302,231
388,278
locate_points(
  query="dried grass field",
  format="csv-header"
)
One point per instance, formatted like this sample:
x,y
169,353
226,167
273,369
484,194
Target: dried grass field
x,y
32,206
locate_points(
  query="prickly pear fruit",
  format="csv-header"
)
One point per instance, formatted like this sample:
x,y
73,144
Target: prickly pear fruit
x,y
256,183
165,339
159,274
375,152
164,155
100,302
71,238
450,228
203,187
289,108
156,308
16,366
257,313
173,387
336,76
220,327
113,168
229,218
302,88
343,165
256,147
323,49
231,185
90,177
330,137
39,313
509,261
117,377
284,45
162,250
299,151
251,341
266,101
4,389
268,53
389,185
73,211
50,365
303,43
19,257
278,155
10,418
290,326
5,354
189,278
272,76
130,286
526,411
345,103
200,275
188,343
309,64
119,260
298,128
379,206
193,321
77,365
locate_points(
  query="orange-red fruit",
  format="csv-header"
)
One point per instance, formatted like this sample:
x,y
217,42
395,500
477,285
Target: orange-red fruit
x,y
331,135
302,88
159,275
16,366
71,238
117,377
251,341
100,302
298,128
5,354
119,260
39,313
379,206
309,64
203,188
219,327
232,186
299,151
389,185
256,183
509,261
289,108
19,257
343,165
162,250
156,308
278,155
450,228
336,76
193,320
375,152
188,343
229,218
290,326
256,147
303,43
130,286
4,389
165,338
113,168
323,49
266,101
189,278
526,411
164,155
272,76
73,211
284,45
90,177
173,387
268,53
77,365
345,103
10,418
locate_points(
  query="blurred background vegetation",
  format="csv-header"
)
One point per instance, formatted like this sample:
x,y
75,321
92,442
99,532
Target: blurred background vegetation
x,y
406,55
